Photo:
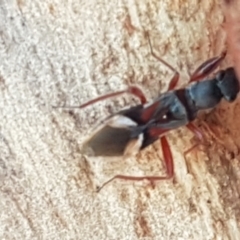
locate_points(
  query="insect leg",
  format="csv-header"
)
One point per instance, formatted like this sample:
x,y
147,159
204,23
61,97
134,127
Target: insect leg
x,y
206,68
197,132
167,154
175,78
132,90
173,82
137,92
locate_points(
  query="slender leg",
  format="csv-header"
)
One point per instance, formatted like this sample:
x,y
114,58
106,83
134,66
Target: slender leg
x,y
132,90
197,132
212,133
206,68
167,155
174,81
168,158
202,71
175,78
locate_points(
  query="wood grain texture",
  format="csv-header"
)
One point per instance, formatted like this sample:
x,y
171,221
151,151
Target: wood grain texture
x,y
67,52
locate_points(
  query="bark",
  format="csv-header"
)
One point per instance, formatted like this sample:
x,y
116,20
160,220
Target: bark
x,y
56,53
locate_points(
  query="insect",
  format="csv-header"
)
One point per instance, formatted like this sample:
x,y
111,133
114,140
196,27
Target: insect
x,y
231,9
133,129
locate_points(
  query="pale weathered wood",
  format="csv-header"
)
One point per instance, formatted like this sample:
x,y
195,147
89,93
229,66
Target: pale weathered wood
x,y
67,52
